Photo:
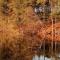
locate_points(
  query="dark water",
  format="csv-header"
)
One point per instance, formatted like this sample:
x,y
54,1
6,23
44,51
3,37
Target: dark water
x,y
48,53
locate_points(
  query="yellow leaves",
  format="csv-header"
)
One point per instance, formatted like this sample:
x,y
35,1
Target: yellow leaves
x,y
28,34
40,1
9,31
53,31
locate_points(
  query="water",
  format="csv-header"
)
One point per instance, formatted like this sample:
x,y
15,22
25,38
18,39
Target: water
x,y
48,54
41,57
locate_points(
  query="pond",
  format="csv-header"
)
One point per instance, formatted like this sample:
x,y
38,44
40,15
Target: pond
x,y
46,53
42,57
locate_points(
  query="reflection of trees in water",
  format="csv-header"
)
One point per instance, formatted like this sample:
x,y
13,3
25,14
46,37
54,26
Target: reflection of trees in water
x,y
48,52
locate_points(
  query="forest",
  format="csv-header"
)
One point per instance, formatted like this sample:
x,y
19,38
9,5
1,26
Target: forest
x,y
26,25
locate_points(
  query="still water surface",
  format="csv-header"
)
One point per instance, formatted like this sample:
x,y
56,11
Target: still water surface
x,y
41,57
